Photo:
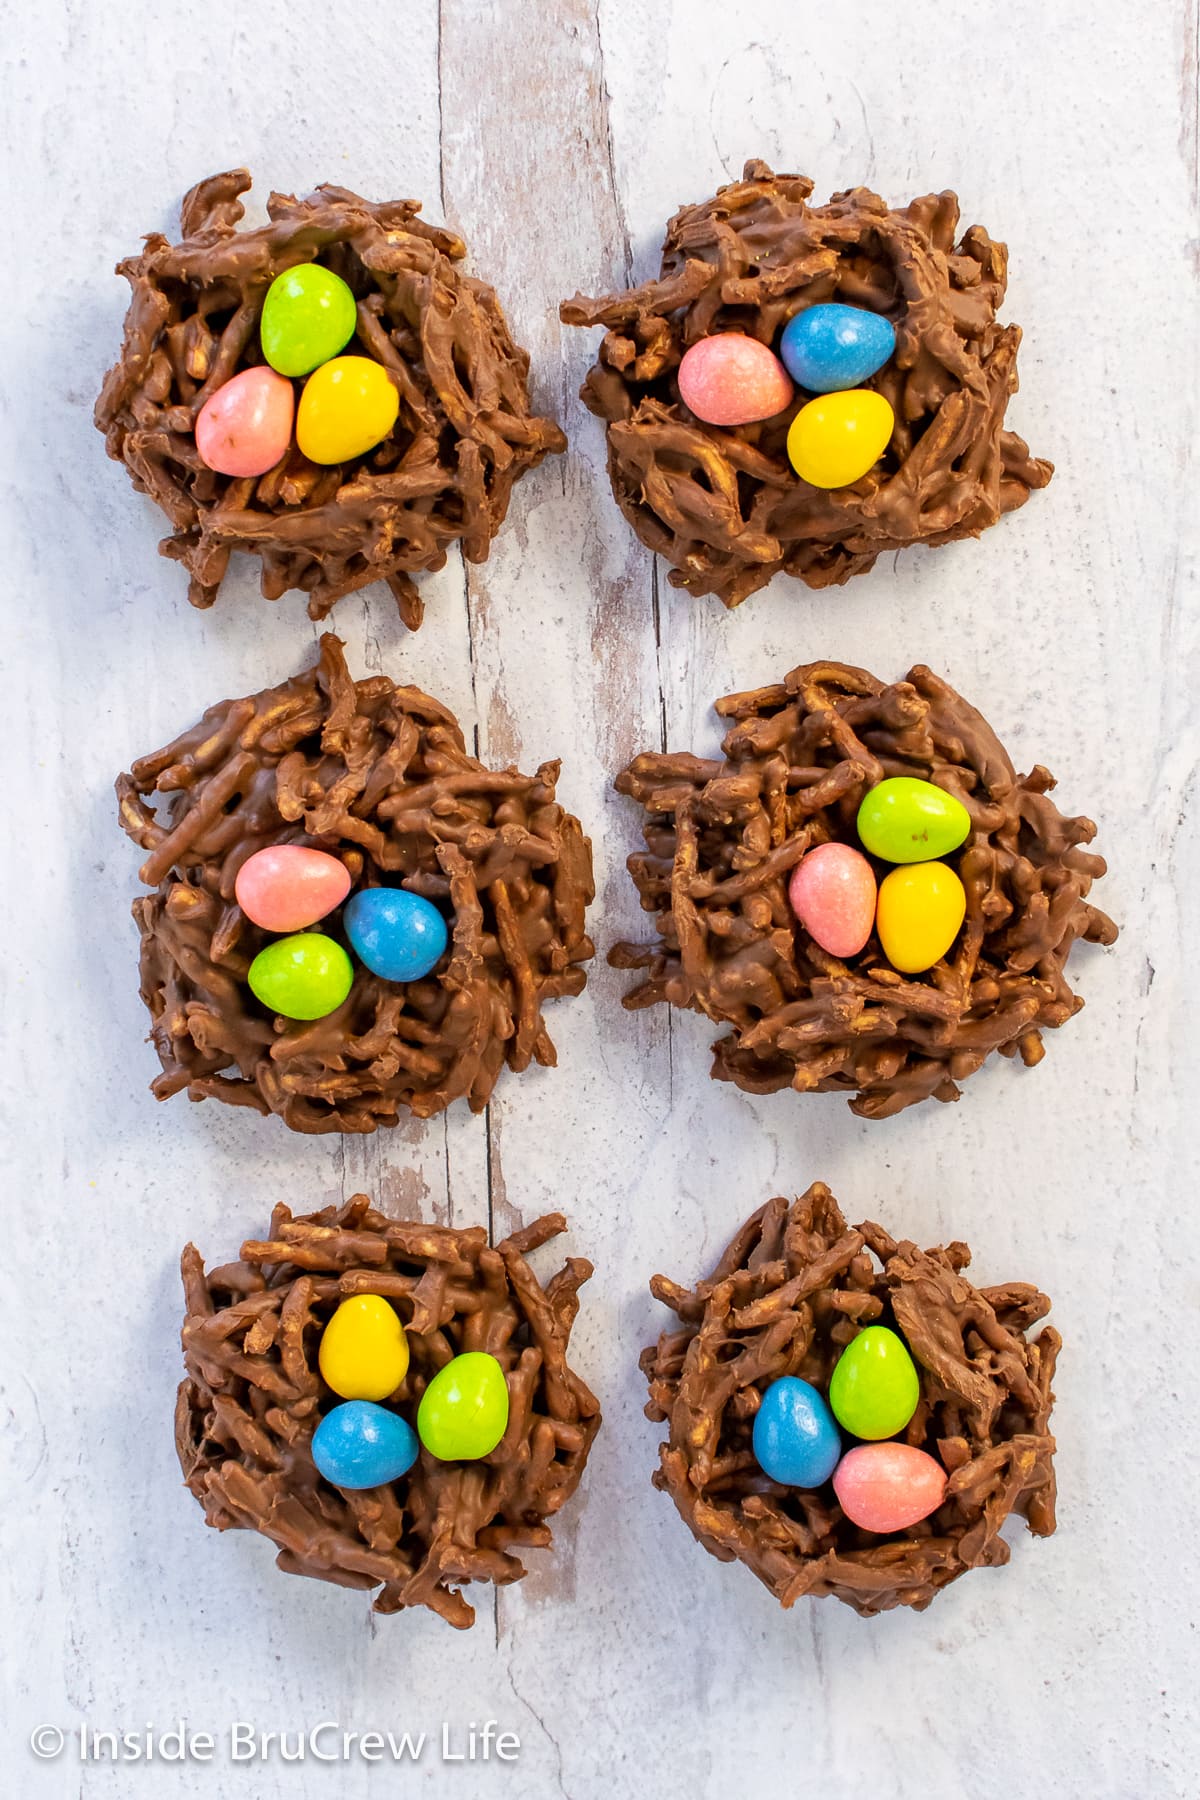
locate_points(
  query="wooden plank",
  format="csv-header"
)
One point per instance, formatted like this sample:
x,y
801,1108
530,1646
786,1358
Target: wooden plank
x,y
130,1602
565,661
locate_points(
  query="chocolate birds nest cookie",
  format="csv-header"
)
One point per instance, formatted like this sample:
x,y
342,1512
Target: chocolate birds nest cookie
x,y
440,359
374,782
725,838
793,1292
723,503
256,1394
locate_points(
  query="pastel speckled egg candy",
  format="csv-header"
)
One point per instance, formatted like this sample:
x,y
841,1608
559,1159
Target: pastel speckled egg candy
x,y
347,407
364,1353
399,935
302,977
464,1411
246,426
795,1439
830,347
308,316
836,438
288,886
906,820
888,1487
919,914
875,1388
832,893
360,1445
731,379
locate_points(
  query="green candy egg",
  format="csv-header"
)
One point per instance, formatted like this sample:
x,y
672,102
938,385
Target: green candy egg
x,y
904,820
875,1386
303,976
464,1411
307,317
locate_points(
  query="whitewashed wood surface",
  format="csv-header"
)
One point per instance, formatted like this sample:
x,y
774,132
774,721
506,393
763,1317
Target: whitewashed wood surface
x,y
558,138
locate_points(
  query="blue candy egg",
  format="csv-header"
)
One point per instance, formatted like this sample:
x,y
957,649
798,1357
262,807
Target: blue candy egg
x,y
828,348
361,1445
795,1438
397,934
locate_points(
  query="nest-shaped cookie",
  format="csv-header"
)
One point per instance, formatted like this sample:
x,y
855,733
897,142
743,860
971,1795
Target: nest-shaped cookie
x,y
443,475
379,776
791,1290
724,835
723,506
254,1395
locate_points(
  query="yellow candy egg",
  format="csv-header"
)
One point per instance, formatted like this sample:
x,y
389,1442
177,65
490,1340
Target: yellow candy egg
x,y
347,406
364,1352
921,908
835,438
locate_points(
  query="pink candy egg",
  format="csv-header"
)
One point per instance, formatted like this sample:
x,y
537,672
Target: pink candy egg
x,y
287,886
733,380
888,1487
246,427
832,892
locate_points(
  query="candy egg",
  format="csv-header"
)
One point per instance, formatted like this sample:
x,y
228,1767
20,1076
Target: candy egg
x,y
347,406
733,380
302,977
464,1411
905,820
834,440
308,316
288,886
359,1445
875,1388
920,911
888,1487
795,1438
832,891
830,347
246,426
398,935
364,1352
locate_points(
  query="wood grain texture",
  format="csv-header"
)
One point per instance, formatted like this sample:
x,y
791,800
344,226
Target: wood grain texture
x,y
558,139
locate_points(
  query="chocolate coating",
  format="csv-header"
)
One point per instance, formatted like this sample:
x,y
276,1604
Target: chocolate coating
x,y
724,506
378,775
724,835
444,473
792,1288
253,1397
